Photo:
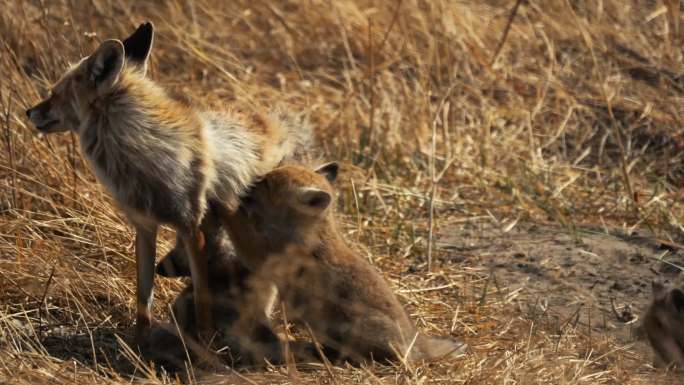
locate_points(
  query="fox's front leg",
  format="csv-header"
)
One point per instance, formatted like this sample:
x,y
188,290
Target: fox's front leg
x,y
145,252
194,246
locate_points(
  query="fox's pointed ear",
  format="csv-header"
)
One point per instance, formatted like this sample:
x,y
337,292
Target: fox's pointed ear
x,y
105,65
138,46
313,200
329,171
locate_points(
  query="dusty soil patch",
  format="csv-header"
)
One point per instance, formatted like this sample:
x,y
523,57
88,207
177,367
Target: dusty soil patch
x,y
596,278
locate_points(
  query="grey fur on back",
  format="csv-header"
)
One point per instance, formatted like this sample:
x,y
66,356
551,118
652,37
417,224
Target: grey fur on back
x,y
233,149
234,152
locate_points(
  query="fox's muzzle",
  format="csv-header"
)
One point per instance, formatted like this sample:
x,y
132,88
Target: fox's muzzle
x,y
32,113
41,119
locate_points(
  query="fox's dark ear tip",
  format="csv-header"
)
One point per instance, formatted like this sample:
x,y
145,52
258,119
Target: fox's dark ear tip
x,y
329,170
146,26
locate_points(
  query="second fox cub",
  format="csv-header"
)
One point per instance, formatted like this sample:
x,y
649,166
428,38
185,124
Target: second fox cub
x,y
286,234
240,341
163,161
663,325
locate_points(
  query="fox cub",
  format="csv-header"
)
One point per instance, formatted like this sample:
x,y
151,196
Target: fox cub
x,y
241,310
239,341
163,161
663,325
285,233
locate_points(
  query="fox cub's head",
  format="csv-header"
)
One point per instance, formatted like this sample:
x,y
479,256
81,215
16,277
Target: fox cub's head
x,y
91,78
294,193
287,199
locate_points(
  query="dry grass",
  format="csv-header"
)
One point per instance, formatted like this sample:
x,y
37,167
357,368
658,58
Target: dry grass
x,y
577,120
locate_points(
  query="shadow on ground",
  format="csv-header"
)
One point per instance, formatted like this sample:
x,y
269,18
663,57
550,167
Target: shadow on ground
x,y
98,349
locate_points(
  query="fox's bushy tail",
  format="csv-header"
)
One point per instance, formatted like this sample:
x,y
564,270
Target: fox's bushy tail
x,y
299,134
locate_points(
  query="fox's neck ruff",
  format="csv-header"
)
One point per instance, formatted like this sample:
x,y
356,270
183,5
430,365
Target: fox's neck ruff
x,y
136,102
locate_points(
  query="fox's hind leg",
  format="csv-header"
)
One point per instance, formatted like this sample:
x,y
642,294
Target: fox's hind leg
x,y
145,251
195,247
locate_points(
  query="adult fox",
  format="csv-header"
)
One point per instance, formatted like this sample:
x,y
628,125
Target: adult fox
x,y
163,161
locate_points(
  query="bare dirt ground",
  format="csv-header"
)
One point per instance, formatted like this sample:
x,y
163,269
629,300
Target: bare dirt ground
x,y
595,278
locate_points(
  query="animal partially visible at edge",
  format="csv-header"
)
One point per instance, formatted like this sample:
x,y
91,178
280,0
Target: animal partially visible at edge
x,y
662,325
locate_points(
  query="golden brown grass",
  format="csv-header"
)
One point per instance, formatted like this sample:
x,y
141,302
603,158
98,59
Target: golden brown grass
x,y
578,119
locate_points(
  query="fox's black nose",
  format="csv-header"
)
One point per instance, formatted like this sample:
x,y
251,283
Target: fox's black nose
x,y
28,112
